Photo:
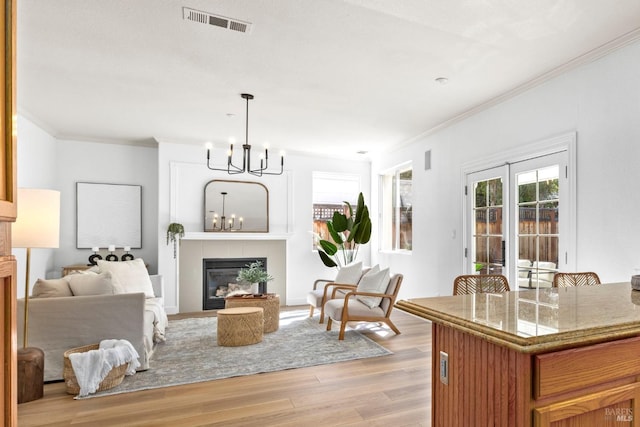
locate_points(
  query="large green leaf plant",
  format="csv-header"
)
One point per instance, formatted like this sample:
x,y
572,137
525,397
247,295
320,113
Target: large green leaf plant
x,y
348,233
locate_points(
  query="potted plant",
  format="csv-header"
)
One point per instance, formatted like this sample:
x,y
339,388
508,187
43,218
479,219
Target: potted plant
x,y
175,231
348,233
254,274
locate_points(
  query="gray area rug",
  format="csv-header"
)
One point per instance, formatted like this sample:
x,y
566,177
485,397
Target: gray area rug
x,y
191,353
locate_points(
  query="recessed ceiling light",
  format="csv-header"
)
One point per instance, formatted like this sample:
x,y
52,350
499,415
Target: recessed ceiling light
x,y
361,152
442,80
230,115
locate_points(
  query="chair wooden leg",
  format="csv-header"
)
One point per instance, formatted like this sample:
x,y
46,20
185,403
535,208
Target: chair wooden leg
x,y
343,325
392,326
329,324
311,310
322,314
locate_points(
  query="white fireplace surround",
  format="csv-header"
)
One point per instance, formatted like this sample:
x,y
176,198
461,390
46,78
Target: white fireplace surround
x,y
198,246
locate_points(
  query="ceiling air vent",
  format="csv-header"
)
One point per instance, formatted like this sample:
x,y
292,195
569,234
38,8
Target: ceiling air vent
x,y
216,20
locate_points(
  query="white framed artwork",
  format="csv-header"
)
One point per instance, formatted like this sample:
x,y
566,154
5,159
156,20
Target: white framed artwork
x,y
108,215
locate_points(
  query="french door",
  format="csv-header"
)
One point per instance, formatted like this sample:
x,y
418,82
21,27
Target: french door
x,y
513,223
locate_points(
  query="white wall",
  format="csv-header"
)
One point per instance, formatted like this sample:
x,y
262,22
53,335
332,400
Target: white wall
x,y
601,102
37,168
182,177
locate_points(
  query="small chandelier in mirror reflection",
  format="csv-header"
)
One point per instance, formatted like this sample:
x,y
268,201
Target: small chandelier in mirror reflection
x,y
222,223
232,169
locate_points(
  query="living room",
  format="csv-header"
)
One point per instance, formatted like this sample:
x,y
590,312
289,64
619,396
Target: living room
x,y
595,102
591,100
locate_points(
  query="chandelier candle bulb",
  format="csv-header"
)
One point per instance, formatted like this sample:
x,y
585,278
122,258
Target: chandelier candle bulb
x,y
112,248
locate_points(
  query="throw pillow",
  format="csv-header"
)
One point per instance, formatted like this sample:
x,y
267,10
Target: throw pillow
x,y
132,276
92,284
51,288
349,274
376,282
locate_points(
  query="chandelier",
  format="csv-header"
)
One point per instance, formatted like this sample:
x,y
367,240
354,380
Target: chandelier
x,y
225,225
232,169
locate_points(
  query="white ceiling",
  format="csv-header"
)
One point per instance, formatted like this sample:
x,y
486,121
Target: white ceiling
x,y
332,76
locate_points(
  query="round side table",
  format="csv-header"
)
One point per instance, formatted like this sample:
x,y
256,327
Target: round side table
x,y
270,303
240,326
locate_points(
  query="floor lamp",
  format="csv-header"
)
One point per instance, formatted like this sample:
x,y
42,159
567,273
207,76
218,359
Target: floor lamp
x,y
37,226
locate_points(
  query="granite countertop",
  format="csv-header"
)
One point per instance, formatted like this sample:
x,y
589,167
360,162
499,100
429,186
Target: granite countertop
x,y
535,321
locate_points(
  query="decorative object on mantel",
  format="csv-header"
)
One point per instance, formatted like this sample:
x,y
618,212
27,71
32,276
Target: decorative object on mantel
x,y
175,232
37,226
232,169
112,256
126,256
223,219
254,274
635,282
348,233
93,258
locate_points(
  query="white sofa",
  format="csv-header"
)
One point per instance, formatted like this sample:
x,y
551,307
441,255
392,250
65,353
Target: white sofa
x,y
58,324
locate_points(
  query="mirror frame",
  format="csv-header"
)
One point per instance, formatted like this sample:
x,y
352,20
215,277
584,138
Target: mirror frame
x,y
266,207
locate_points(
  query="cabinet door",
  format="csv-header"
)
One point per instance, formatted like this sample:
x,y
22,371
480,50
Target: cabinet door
x,y
612,407
8,355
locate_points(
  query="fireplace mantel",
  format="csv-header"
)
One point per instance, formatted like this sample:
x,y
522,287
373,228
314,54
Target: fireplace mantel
x,y
234,236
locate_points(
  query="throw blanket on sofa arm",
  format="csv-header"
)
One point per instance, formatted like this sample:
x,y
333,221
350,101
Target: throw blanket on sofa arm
x,y
160,320
92,367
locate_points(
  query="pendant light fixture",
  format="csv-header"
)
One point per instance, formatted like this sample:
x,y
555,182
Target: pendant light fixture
x,y
232,169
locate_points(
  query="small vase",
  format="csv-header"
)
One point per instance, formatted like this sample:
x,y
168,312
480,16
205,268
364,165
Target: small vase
x,y
255,287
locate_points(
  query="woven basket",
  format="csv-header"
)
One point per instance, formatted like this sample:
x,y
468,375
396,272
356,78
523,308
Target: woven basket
x,y
113,378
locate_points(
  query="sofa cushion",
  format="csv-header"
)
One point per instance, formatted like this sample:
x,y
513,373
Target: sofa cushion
x,y
93,284
51,288
349,274
132,276
373,281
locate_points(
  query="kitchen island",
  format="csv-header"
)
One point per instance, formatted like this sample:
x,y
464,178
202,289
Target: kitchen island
x,y
544,357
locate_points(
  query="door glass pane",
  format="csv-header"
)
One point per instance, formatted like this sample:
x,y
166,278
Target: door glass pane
x,y
481,194
495,254
494,192
495,221
537,216
487,255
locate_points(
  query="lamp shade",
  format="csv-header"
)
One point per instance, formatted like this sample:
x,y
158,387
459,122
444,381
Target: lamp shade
x,y
38,220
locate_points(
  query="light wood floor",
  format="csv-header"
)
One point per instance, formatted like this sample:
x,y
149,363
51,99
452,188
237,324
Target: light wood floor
x,y
382,391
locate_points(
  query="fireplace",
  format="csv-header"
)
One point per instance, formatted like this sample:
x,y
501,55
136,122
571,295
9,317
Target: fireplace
x,y
219,280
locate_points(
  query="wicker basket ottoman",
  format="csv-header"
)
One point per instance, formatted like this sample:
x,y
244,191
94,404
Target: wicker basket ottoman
x,y
270,303
240,326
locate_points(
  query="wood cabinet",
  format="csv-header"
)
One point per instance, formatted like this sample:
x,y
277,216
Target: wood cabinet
x,y
564,361
495,385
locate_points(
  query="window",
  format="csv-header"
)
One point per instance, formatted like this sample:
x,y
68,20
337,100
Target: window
x,y
330,191
396,207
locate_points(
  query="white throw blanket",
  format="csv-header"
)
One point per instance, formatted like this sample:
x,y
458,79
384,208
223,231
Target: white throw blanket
x,y
91,367
156,306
